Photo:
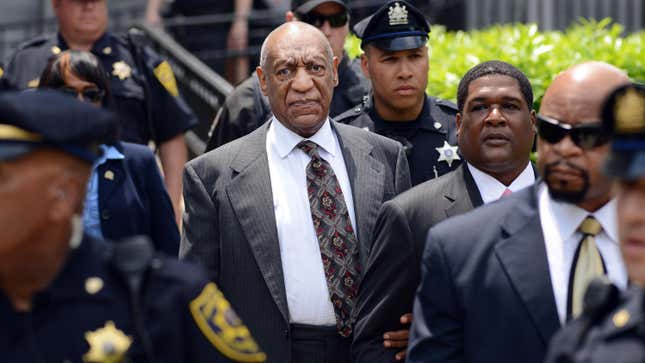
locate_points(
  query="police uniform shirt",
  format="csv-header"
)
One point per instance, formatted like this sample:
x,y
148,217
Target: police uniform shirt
x,y
170,114
85,315
429,141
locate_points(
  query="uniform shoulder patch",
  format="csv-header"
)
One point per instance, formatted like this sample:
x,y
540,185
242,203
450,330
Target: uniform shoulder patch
x,y
166,77
222,327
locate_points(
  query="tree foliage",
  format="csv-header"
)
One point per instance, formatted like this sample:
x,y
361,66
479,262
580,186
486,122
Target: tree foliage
x,y
540,55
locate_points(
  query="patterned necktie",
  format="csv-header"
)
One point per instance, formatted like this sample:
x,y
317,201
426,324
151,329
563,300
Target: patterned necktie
x,y
587,266
338,243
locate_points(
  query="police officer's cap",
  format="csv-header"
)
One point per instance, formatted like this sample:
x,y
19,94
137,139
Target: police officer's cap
x,y
624,115
36,119
305,6
395,26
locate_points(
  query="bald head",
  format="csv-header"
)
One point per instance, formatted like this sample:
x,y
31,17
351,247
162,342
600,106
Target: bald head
x,y
298,73
583,88
293,34
569,163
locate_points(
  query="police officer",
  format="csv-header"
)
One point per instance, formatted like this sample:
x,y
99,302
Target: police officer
x,y
66,297
612,327
143,85
246,108
395,60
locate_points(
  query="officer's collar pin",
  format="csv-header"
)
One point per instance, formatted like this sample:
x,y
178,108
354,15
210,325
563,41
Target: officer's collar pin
x,y
55,50
398,15
93,285
107,50
437,125
109,175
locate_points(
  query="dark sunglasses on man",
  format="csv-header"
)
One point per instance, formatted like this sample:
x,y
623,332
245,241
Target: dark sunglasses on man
x,y
91,94
317,20
585,135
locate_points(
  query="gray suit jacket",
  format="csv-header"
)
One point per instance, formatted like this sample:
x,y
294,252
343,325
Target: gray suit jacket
x,y
229,222
392,273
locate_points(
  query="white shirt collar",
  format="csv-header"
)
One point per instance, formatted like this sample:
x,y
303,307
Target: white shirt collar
x,y
491,189
324,138
567,217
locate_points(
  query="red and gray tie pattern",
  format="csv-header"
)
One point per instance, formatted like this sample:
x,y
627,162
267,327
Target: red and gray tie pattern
x,y
338,243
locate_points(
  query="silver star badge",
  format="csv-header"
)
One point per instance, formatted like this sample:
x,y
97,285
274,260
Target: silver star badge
x,y
448,153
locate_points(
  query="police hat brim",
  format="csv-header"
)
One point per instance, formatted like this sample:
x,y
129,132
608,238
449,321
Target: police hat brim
x,y
397,44
625,164
310,5
14,150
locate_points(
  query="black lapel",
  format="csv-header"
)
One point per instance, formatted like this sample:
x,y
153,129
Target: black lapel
x,y
251,198
523,256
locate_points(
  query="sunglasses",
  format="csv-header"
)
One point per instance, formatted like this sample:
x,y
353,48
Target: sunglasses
x,y
88,94
317,20
586,135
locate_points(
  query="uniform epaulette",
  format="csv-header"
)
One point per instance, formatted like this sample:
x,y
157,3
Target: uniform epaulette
x,y
446,104
350,114
34,42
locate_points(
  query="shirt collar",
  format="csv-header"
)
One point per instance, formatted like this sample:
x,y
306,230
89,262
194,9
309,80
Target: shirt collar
x,y
97,48
568,216
491,189
288,139
109,152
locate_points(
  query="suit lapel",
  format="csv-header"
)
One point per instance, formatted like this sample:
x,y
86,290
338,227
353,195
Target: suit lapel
x,y
463,194
251,198
523,256
367,185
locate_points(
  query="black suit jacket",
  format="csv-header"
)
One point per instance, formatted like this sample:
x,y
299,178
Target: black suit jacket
x,y
133,199
230,227
485,293
392,273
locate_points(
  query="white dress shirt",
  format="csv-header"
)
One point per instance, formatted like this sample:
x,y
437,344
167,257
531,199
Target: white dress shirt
x,y
491,189
304,278
560,222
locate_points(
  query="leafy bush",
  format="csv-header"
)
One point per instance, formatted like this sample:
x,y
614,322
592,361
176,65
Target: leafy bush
x,y
540,55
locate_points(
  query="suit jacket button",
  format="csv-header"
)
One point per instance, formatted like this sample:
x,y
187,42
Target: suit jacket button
x,y
105,215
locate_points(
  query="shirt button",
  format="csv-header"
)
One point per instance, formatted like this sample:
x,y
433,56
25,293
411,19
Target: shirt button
x,y
105,215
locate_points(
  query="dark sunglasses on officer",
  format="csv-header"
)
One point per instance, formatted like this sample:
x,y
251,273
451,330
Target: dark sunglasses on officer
x,y
335,20
585,135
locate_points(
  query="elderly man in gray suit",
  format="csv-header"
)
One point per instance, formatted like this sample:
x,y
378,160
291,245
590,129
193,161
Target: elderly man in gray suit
x,y
282,217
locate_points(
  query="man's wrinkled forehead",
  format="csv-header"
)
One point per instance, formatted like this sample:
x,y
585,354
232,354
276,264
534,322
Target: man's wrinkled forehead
x,y
288,50
572,107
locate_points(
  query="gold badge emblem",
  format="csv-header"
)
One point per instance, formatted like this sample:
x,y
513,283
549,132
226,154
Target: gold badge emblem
x,y
107,345
629,111
109,175
448,153
93,285
1,72
55,50
166,77
33,83
621,318
121,69
107,50
221,326
398,15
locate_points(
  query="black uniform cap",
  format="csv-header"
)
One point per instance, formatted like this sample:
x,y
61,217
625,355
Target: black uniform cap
x,y
305,6
397,25
34,119
624,114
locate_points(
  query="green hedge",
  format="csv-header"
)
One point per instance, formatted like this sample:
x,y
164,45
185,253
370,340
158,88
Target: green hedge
x,y
540,55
